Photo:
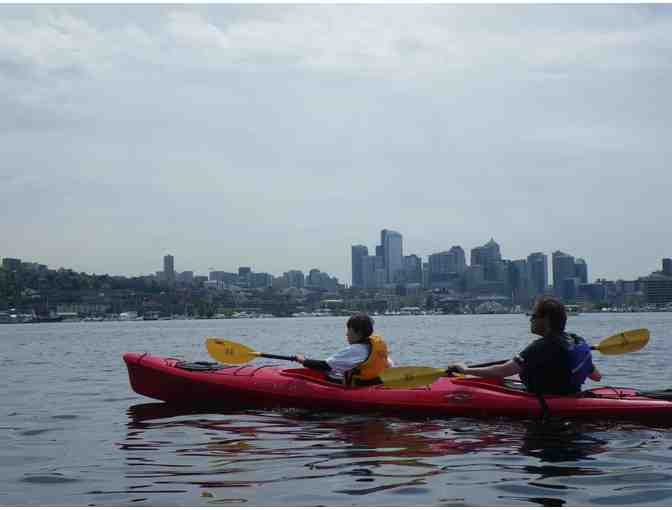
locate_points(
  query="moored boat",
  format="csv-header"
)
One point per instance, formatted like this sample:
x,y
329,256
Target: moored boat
x,y
211,385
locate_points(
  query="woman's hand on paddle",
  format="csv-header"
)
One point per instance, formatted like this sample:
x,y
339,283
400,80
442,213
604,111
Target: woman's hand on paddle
x,y
300,358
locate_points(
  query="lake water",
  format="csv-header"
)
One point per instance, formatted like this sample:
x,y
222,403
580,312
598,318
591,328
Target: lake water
x,y
73,433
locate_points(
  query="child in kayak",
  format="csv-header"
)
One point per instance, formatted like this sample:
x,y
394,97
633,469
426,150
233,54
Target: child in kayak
x,y
361,362
557,363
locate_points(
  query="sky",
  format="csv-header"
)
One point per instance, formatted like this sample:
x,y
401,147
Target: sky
x,y
277,136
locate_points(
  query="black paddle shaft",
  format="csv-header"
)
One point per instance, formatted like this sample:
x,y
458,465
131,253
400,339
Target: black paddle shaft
x,y
277,356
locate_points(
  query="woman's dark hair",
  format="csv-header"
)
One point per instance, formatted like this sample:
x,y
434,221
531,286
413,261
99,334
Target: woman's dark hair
x,y
554,310
361,323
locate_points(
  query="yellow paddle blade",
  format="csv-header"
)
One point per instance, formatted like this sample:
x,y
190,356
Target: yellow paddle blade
x,y
626,341
410,377
228,351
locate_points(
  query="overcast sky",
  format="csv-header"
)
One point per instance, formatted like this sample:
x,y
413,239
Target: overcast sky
x,y
277,136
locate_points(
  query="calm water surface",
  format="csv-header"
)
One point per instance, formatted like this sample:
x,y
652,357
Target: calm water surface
x,y
73,433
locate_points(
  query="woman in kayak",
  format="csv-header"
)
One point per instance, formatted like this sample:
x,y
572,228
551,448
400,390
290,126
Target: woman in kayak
x,y
557,363
361,362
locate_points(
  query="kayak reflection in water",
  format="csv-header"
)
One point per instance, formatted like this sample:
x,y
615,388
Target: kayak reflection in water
x,y
361,362
557,363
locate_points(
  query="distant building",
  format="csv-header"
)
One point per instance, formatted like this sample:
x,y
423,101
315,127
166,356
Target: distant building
x,y
295,278
489,258
358,251
563,268
261,280
169,268
224,276
667,267
373,272
392,248
658,289
537,265
519,281
186,277
581,270
412,271
9,264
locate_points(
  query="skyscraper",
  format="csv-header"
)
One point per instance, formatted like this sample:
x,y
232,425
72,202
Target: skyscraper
x,y
537,265
392,249
581,270
489,257
412,269
667,267
563,268
358,251
169,268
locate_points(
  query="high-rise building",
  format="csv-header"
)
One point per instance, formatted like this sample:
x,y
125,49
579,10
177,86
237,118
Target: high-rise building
x,y
412,269
392,249
537,265
169,268
563,268
358,251
581,270
488,257
667,267
519,281
373,272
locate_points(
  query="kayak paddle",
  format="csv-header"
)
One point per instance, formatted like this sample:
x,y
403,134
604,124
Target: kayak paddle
x,y
228,351
410,377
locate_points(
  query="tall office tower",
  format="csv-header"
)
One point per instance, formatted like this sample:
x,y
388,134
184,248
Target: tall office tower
x,y
373,272
488,256
392,249
519,280
412,269
358,251
169,268
667,267
563,268
457,262
581,270
537,265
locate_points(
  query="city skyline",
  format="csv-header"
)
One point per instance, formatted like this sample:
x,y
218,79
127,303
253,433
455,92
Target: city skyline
x,y
276,136
167,260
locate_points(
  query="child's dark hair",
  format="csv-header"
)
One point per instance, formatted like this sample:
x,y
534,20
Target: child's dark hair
x,y
361,323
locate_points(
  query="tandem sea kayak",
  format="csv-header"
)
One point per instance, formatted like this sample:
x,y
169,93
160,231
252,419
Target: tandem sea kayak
x,y
211,385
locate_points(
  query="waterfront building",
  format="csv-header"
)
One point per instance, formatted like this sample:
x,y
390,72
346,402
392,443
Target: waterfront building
x,y
658,289
358,251
592,292
563,268
537,264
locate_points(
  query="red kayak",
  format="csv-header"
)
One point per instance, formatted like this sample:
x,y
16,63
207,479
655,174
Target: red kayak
x,y
211,385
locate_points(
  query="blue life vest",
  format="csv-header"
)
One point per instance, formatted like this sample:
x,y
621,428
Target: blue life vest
x,y
580,360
